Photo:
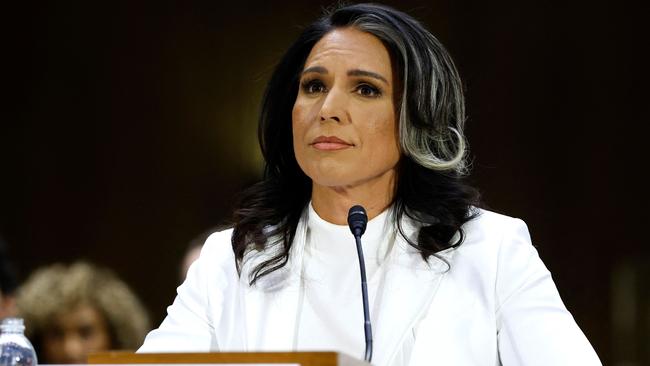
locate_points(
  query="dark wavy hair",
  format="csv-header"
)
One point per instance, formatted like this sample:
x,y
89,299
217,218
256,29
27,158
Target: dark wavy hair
x,y
429,187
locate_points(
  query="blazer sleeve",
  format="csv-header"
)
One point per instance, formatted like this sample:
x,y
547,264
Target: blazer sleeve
x,y
189,325
533,325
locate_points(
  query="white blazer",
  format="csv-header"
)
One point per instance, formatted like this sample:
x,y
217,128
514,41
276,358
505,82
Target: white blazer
x,y
495,305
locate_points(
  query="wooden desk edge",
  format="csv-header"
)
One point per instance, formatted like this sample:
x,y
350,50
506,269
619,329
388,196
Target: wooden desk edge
x,y
302,358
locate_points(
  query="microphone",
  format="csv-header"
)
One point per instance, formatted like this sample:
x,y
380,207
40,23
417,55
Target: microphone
x,y
357,220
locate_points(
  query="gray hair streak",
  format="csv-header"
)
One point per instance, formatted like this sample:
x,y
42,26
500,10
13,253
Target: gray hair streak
x,y
432,107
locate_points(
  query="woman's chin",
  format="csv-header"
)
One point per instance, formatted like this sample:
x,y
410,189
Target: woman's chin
x,y
333,182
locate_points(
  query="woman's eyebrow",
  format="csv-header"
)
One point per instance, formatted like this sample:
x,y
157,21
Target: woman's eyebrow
x,y
354,72
374,75
316,69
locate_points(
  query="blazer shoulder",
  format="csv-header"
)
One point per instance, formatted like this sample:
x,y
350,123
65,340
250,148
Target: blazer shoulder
x,y
489,226
494,219
218,247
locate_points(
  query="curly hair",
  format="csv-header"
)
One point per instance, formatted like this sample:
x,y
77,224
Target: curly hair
x,y
429,188
54,289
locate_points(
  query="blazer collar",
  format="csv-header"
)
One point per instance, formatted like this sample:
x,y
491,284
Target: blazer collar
x,y
271,305
409,286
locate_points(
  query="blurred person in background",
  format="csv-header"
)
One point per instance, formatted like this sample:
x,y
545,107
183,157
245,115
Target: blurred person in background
x,y
8,284
193,251
73,310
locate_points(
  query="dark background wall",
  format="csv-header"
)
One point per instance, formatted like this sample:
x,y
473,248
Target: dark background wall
x,y
130,126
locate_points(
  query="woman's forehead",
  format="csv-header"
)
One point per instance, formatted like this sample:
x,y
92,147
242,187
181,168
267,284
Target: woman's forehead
x,y
350,47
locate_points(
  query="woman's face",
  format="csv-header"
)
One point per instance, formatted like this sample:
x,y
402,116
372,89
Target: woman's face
x,y
344,124
75,333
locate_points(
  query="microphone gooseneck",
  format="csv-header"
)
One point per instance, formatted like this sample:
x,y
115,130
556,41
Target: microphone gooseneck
x,y
357,220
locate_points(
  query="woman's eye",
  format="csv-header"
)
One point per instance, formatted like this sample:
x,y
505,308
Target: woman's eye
x,y
366,90
86,331
313,86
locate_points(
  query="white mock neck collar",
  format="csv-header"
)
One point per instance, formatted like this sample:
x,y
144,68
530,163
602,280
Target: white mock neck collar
x,y
376,229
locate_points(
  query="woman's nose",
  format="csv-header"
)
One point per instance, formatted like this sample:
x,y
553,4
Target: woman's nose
x,y
334,107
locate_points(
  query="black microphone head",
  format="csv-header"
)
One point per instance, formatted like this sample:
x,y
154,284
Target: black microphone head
x,y
357,220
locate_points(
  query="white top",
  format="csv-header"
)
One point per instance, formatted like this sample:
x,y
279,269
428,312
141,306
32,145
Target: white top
x,y
330,310
496,304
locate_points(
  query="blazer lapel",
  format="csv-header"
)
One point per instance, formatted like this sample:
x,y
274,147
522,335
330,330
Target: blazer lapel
x,y
271,305
409,286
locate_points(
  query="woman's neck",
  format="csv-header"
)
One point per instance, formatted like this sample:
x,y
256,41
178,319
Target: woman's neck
x,y
333,203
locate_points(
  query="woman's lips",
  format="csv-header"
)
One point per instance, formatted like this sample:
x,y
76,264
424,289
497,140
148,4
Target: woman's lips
x,y
330,143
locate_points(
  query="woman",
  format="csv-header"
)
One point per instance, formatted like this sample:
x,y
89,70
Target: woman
x,y
373,116
74,310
